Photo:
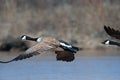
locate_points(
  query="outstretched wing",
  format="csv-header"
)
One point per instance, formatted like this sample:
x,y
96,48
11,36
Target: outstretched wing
x,y
65,56
112,32
22,56
35,50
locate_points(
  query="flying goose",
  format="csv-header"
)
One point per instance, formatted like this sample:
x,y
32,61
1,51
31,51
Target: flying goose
x,y
113,33
64,52
64,45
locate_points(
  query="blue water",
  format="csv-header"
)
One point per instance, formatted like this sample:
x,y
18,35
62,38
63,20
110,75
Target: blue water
x,y
47,68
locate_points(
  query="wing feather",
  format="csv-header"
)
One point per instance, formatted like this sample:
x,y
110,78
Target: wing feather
x,y
112,32
35,50
65,56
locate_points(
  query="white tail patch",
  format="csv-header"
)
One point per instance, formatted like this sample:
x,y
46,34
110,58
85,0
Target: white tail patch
x,y
63,44
39,39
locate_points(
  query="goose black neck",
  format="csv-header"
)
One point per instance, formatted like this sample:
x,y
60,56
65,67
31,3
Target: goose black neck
x,y
32,39
114,43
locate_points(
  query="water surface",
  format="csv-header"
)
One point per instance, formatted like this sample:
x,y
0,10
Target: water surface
x,y
47,68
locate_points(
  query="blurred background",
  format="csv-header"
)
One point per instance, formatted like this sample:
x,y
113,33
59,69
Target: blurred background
x,y
76,21
79,22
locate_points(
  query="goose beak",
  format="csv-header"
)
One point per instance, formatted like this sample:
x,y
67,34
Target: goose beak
x,y
103,42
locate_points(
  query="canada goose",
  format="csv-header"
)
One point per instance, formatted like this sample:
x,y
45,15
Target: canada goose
x,y
113,33
110,42
66,46
48,44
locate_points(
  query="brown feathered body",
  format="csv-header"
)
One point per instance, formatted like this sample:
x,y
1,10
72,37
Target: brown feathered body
x,y
46,44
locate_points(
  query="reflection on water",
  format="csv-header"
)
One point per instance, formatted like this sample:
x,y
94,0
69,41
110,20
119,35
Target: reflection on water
x,y
47,68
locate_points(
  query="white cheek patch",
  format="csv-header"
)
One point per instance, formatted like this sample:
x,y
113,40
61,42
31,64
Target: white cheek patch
x,y
24,38
107,42
63,44
39,39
